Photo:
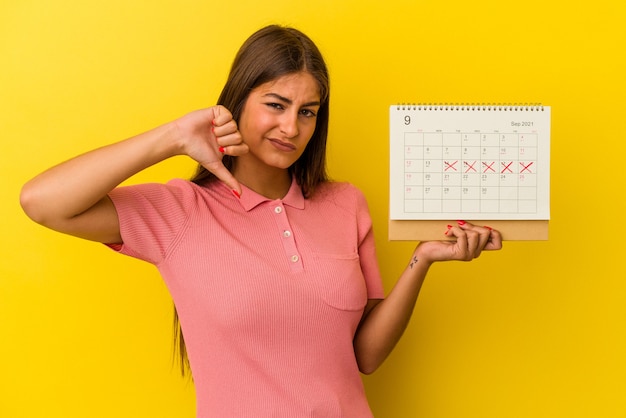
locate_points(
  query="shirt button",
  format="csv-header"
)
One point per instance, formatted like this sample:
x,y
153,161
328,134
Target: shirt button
x,y
295,258
278,209
287,234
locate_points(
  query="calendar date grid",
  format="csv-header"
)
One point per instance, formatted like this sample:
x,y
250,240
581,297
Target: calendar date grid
x,y
452,172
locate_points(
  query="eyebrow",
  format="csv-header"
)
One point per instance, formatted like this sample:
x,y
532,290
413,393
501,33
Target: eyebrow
x,y
289,101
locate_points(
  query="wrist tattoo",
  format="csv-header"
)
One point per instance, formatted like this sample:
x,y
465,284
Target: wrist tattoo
x,y
413,262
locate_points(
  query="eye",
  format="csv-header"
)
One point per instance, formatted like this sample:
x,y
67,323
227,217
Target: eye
x,y
276,106
308,113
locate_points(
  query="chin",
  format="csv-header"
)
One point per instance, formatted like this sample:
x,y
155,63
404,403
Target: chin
x,y
282,163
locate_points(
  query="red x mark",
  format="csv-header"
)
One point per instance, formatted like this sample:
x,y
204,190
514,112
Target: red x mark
x,y
525,167
469,166
507,167
450,166
488,167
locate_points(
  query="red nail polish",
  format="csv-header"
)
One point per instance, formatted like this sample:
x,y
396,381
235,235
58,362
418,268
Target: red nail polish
x,y
489,228
449,226
461,223
221,149
236,193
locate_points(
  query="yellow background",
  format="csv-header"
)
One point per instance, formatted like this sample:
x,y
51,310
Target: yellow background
x,y
537,330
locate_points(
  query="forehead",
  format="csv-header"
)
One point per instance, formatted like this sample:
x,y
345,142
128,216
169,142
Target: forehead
x,y
295,86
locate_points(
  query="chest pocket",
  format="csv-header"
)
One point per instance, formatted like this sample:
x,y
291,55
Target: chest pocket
x,y
340,281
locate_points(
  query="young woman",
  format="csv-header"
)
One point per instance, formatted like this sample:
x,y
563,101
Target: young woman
x,y
271,266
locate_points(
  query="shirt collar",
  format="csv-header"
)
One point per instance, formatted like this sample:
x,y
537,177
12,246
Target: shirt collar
x,y
251,199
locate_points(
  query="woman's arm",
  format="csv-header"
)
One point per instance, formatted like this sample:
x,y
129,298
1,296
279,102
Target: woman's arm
x,y
384,321
72,196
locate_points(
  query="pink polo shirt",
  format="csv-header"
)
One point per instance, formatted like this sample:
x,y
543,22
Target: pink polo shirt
x,y
269,292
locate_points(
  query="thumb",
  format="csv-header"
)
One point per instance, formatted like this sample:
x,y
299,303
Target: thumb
x,y
225,176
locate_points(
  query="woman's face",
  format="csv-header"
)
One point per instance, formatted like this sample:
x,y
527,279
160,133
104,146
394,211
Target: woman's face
x,y
279,118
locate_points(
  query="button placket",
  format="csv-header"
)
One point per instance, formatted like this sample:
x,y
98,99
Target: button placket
x,y
289,244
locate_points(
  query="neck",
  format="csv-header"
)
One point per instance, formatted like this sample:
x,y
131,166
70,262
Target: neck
x,y
273,183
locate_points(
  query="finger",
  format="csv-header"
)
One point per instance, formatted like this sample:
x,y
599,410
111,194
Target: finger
x,y
235,150
221,116
473,244
229,139
495,240
227,128
222,173
490,239
460,248
482,233
232,144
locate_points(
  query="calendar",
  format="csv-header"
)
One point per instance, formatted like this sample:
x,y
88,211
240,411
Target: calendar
x,y
469,162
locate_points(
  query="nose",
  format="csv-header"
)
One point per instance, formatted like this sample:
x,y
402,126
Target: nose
x,y
289,125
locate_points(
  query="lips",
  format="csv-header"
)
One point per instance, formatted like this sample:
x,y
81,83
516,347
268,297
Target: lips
x,y
282,145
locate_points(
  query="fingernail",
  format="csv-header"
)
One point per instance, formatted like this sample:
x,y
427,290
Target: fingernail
x,y
449,227
236,193
489,228
221,149
461,223
213,122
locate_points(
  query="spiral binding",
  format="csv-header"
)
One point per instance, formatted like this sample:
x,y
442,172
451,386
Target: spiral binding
x,y
487,107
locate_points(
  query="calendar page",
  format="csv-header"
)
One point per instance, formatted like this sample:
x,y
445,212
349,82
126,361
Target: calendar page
x,y
469,162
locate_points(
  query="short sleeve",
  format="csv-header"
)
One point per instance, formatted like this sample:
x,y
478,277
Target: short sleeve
x,y
367,249
151,217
